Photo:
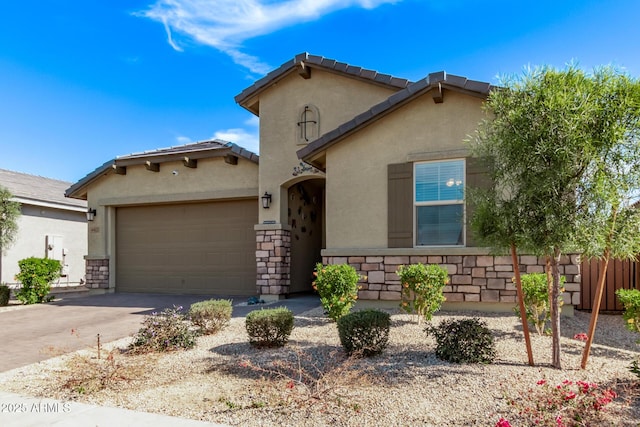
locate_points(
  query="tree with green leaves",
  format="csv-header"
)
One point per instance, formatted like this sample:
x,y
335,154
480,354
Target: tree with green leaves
x,y
561,149
9,214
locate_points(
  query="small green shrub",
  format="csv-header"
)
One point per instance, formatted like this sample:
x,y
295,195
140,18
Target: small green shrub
x,y
5,292
36,275
337,285
422,288
463,341
364,332
630,299
269,327
165,331
535,290
211,316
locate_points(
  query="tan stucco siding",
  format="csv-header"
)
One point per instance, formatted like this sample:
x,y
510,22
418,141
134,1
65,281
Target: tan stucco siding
x,y
337,98
212,179
356,186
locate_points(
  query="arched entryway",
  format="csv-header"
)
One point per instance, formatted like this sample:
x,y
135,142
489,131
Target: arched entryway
x,y
305,216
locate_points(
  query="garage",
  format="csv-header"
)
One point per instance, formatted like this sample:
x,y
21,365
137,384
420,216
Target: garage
x,y
191,248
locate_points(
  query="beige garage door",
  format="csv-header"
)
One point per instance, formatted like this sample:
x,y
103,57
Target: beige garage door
x,y
198,248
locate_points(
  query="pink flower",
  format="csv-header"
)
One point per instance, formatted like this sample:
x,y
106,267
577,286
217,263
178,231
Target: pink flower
x,y
503,423
569,395
581,337
541,382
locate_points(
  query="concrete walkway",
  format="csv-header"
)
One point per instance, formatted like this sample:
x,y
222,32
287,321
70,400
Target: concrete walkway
x,y
34,333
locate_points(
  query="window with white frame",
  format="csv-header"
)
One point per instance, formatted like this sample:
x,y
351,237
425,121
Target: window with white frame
x,y
439,203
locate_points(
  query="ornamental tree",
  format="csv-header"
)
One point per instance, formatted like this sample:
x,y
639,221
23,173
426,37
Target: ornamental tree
x,y
9,214
561,150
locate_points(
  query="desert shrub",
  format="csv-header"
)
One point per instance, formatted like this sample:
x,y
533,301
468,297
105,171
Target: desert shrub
x,y
630,299
422,288
364,332
36,275
463,341
269,327
5,292
337,285
165,331
535,290
211,316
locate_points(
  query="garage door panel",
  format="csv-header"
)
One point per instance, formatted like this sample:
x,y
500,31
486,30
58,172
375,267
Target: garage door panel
x,y
204,248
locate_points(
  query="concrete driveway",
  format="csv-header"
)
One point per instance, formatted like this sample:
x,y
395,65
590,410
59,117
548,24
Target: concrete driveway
x,y
29,334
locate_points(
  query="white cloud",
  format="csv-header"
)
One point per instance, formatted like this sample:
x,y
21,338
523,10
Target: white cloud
x,y
183,140
242,137
225,24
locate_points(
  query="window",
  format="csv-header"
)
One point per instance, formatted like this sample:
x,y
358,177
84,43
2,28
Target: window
x,y
439,203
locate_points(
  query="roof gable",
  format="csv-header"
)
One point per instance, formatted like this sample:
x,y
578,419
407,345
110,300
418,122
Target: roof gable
x,y
303,63
435,82
188,152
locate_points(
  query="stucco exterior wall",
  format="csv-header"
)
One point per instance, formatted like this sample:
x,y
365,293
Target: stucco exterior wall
x,y
356,186
34,225
212,179
337,98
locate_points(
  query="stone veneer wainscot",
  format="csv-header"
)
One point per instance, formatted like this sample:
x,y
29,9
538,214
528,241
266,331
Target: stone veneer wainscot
x,y
474,275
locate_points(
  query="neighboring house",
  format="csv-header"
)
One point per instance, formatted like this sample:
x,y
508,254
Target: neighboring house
x,y
356,167
51,226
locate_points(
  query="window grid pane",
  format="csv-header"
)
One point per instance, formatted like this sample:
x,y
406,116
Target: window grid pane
x,y
439,181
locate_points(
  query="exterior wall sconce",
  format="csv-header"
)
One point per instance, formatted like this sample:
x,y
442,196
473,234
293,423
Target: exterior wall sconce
x,y
91,214
266,200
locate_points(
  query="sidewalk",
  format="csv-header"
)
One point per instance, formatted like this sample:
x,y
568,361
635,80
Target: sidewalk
x,y
20,411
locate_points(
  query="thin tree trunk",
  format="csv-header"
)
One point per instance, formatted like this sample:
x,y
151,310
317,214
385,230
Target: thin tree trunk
x,y
523,312
595,309
555,309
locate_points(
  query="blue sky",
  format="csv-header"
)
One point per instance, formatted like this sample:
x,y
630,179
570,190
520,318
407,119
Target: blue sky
x,y
83,81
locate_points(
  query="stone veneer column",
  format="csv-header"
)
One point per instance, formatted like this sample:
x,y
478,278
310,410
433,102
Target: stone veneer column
x,y
97,273
273,260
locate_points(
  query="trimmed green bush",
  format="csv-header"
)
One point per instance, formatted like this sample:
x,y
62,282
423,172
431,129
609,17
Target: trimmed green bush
x,y
211,316
5,292
165,331
36,276
337,285
463,341
535,291
422,288
630,300
364,332
269,327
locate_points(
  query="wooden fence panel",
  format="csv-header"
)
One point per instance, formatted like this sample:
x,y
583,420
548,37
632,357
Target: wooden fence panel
x,y
621,274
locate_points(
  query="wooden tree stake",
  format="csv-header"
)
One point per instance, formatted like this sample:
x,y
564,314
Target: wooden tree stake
x,y
523,312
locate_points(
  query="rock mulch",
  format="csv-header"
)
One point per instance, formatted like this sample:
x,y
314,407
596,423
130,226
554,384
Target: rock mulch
x,y
311,383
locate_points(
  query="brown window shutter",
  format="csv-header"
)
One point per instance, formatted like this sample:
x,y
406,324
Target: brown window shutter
x,y
400,205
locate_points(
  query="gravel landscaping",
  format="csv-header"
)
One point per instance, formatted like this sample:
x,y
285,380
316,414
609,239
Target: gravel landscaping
x,y
311,383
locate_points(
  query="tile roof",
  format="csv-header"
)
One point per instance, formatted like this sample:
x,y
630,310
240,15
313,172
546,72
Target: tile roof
x,y
320,62
434,80
196,147
201,149
38,189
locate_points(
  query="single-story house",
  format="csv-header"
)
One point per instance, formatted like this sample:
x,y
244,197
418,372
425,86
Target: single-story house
x,y
50,226
355,167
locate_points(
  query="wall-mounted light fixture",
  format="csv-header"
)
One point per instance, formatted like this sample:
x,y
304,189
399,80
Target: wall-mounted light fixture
x,y
266,200
91,214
